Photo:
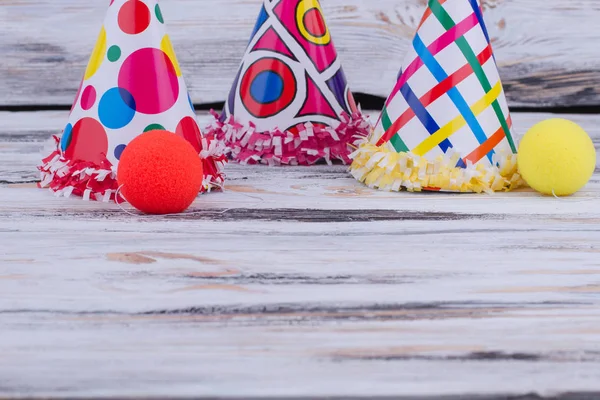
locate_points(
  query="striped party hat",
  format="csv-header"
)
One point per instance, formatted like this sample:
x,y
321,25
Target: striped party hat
x,y
132,84
290,102
446,124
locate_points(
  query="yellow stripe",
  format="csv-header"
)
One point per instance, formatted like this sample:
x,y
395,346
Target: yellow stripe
x,y
457,123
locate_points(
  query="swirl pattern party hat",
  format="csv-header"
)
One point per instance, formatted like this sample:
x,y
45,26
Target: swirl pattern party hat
x,y
290,102
446,124
132,84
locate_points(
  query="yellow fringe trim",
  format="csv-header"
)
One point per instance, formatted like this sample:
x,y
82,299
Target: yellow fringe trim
x,y
382,168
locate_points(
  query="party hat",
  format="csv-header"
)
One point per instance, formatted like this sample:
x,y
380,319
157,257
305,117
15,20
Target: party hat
x,y
446,124
290,102
132,85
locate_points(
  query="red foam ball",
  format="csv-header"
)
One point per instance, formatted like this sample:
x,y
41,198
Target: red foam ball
x,y
160,173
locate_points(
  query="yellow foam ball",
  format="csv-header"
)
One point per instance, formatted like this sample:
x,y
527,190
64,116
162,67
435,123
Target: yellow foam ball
x,y
556,156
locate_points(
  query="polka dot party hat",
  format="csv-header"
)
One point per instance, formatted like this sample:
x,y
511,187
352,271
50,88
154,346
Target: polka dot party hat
x,y
446,124
132,84
290,102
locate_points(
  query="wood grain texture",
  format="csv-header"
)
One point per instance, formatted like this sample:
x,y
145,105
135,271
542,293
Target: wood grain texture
x,y
545,49
295,281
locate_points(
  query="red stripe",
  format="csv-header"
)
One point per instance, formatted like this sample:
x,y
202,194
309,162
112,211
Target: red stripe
x,y
489,144
396,126
438,91
485,147
435,47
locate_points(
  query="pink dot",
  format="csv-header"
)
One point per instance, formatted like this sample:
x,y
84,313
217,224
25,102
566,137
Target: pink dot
x,y
149,75
88,97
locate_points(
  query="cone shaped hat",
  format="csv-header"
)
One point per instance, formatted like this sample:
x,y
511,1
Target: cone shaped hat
x,y
445,125
290,102
132,84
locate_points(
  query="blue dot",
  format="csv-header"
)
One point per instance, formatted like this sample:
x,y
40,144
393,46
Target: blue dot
x,y
266,87
65,141
119,150
191,103
116,108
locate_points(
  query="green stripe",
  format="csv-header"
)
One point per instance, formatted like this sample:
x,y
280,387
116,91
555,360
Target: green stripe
x,y
448,23
396,141
385,119
440,13
504,124
480,73
398,144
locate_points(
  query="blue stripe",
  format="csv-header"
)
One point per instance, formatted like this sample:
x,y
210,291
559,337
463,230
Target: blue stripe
x,y
477,12
479,16
438,72
399,74
422,114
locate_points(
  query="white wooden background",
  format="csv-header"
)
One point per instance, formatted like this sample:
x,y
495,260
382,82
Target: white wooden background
x,y
547,49
296,281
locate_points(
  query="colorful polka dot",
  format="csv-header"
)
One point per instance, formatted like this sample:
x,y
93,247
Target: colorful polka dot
x,y
88,97
167,47
314,23
134,17
114,53
88,142
97,55
149,75
66,137
159,15
266,79
310,22
189,130
116,108
267,87
119,150
154,127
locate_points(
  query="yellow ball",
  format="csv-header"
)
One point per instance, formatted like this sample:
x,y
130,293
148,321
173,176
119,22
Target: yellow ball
x,y
556,155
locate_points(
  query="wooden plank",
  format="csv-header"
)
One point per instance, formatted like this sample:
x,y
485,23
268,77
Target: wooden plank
x,y
125,306
545,57
295,282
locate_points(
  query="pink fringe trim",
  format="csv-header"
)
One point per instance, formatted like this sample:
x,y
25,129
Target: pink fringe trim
x,y
310,145
98,181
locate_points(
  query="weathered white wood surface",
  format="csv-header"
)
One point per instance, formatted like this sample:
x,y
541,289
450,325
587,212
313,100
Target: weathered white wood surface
x,y
546,48
295,281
